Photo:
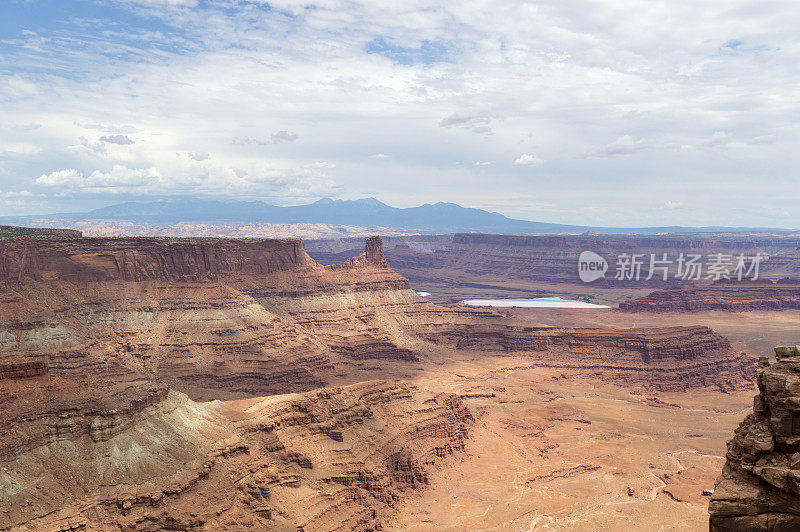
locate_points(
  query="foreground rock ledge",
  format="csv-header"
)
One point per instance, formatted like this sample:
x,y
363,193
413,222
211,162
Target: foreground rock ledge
x,y
759,488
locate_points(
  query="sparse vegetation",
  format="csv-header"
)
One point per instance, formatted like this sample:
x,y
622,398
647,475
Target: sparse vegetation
x,y
605,436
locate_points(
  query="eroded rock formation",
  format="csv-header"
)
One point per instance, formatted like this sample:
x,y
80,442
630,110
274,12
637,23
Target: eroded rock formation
x,y
213,318
666,358
553,258
332,459
731,296
222,319
476,258
11,368
759,489
144,259
108,346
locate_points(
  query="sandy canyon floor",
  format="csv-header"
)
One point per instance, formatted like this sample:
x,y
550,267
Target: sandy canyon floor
x,y
550,452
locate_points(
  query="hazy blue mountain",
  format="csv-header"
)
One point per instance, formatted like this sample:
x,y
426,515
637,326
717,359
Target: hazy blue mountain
x,y
439,217
429,218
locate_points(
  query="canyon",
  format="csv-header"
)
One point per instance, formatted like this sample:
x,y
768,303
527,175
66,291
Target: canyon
x,y
324,460
223,383
261,317
726,295
472,265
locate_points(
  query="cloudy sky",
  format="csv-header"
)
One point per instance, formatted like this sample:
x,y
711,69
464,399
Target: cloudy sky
x,y
613,112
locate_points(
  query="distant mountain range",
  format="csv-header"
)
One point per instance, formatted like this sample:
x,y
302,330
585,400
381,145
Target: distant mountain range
x,y
368,212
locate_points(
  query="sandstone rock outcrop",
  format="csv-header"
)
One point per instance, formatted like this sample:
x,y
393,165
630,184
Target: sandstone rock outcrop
x,y
11,368
759,489
144,259
666,358
332,459
223,319
213,318
552,259
731,296
109,345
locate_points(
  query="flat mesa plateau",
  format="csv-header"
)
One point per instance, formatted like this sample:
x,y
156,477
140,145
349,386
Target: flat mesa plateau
x,y
221,384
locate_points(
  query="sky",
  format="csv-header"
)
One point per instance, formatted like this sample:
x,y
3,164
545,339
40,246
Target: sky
x,y
612,112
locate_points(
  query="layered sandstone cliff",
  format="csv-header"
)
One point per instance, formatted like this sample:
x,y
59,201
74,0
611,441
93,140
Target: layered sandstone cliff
x,y
759,489
212,318
221,319
144,259
11,368
478,258
554,258
665,358
333,459
107,346
730,296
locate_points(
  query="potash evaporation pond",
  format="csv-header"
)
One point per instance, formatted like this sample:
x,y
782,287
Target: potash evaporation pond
x,y
541,302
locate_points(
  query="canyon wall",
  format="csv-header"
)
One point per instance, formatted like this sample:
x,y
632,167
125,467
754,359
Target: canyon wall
x,y
633,242
144,259
730,296
109,350
665,359
332,459
552,259
759,489
208,317
221,319
11,368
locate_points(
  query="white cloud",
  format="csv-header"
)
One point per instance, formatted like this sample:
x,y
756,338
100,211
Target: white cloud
x,y
189,177
116,139
20,194
293,86
672,205
109,128
19,149
719,138
275,138
484,163
625,145
60,178
528,160
119,179
763,139
476,122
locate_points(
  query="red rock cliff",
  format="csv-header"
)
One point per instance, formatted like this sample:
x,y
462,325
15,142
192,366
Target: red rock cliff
x,y
731,296
141,259
759,489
